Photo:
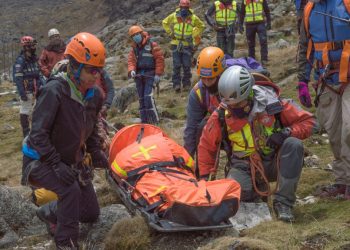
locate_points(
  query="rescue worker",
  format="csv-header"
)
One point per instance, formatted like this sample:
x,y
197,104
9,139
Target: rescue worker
x,y
184,28
26,75
253,15
299,6
52,53
145,66
224,23
259,131
325,39
105,83
203,98
63,131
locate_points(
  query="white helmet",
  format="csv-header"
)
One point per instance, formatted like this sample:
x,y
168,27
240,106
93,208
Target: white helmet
x,y
53,32
235,84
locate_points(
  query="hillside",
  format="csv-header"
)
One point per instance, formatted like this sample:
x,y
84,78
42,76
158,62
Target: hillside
x,y
319,225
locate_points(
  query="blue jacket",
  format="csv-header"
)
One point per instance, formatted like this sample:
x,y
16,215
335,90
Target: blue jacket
x,y
322,29
26,74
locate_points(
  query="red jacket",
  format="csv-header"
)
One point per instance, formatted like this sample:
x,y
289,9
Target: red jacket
x,y
156,52
301,123
48,59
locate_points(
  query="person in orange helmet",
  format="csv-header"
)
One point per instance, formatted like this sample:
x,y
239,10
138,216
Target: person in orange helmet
x,y
63,131
203,98
146,66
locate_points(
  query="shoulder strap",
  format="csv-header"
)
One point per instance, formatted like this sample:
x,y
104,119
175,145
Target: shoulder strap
x,y
307,11
347,5
225,140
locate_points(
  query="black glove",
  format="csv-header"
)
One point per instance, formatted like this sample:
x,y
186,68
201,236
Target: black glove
x,y
276,140
65,173
24,98
99,159
268,26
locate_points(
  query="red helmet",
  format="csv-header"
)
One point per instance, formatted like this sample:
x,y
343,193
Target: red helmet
x,y
184,3
27,40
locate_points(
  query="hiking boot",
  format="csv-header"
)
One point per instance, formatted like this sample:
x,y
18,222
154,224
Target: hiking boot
x,y
332,191
177,89
50,227
283,212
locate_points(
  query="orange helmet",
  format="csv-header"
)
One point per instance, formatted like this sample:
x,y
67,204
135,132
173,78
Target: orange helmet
x,y
87,49
184,3
211,62
134,30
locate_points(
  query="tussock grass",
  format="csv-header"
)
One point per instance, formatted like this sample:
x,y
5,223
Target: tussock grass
x,y
238,244
128,234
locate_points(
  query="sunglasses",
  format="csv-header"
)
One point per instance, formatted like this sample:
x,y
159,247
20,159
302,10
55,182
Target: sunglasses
x,y
93,70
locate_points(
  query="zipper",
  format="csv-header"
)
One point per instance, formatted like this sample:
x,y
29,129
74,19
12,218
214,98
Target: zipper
x,y
325,21
183,29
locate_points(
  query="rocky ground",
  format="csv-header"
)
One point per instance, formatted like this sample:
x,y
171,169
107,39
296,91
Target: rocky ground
x,y
319,224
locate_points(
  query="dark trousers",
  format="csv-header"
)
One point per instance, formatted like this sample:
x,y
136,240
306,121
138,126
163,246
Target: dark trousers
x,y
75,204
291,163
148,110
251,31
226,42
182,60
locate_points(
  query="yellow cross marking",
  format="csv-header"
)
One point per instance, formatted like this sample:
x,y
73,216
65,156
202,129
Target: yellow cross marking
x,y
144,152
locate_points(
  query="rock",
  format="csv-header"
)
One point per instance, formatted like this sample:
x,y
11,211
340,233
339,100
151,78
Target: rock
x,y
281,44
94,233
125,96
307,200
289,80
17,217
250,214
312,161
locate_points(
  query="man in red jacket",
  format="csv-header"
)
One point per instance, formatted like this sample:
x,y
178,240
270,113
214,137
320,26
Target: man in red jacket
x,y
145,65
256,128
52,53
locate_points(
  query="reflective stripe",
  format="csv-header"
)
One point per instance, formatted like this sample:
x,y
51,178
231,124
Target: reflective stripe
x,y
119,169
254,11
226,16
18,74
190,162
198,92
160,189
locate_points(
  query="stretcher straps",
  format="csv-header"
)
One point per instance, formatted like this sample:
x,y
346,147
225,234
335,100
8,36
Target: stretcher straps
x,y
136,171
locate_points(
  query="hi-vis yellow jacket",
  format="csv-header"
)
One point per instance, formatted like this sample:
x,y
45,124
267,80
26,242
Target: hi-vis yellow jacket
x,y
187,31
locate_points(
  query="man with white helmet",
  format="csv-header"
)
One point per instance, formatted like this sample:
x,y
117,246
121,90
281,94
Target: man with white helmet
x,y
262,133
52,53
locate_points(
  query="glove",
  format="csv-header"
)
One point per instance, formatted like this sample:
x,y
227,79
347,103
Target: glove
x,y
99,159
64,173
276,140
268,26
156,79
104,110
133,74
24,98
304,94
